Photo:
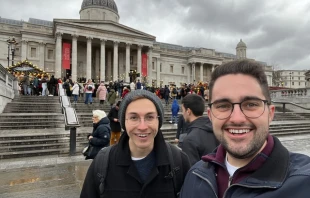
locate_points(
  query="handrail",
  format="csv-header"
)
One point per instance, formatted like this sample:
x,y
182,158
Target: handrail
x,y
291,103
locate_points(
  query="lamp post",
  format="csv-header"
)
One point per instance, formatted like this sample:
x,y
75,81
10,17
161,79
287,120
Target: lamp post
x,y
11,45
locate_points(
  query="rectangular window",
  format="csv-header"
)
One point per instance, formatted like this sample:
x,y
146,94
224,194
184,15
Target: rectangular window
x,y
161,69
292,83
171,68
33,52
183,70
131,60
50,54
299,83
298,78
153,66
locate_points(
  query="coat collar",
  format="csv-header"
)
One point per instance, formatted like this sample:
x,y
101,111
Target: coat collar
x,y
123,156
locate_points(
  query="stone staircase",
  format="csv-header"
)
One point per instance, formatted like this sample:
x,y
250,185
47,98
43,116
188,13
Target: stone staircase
x,y
34,126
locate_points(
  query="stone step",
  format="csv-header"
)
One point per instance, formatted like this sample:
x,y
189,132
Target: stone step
x,y
32,111
22,141
32,126
55,122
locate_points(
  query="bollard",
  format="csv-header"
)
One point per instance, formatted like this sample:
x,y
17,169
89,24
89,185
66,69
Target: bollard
x,y
72,141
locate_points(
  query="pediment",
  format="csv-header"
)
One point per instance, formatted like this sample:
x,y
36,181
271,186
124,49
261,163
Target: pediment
x,y
110,27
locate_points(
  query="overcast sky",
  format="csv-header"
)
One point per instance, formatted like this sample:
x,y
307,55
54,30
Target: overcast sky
x,y
275,31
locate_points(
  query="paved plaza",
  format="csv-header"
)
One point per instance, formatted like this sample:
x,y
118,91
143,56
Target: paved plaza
x,y
62,176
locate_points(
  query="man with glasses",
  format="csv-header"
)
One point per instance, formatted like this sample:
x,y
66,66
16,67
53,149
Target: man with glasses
x,y
249,161
142,164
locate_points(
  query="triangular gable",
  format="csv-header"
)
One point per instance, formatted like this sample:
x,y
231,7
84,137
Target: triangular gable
x,y
108,26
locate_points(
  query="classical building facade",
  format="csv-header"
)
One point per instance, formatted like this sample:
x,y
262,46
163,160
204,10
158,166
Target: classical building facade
x,y
294,79
101,48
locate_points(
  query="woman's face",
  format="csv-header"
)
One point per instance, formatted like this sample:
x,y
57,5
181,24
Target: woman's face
x,y
95,119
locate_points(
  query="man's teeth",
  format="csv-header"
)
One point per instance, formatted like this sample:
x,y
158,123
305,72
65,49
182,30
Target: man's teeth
x,y
239,130
142,135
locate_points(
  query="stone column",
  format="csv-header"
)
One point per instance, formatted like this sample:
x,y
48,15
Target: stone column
x,y
97,66
24,50
102,60
74,58
42,53
201,72
158,73
58,55
139,59
149,68
188,74
88,58
109,66
193,73
127,61
115,61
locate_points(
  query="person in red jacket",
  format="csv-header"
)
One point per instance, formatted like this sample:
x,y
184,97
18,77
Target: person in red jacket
x,y
125,92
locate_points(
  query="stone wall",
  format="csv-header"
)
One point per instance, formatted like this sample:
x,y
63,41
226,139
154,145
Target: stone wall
x,y
7,85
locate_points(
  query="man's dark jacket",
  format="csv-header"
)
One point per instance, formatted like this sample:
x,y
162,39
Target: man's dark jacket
x,y
115,126
123,180
284,174
200,139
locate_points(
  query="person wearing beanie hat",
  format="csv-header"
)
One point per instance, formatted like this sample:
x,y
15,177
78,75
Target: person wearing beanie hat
x,y
100,137
141,164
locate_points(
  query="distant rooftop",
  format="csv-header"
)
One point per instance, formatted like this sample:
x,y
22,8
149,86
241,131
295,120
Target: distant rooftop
x,y
173,46
31,20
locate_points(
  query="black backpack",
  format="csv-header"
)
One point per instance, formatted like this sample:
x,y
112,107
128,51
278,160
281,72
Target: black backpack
x,y
175,161
89,88
174,91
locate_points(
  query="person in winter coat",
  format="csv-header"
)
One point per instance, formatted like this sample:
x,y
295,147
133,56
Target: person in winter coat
x,y
88,90
66,87
75,92
102,93
114,123
166,94
125,92
174,110
100,137
111,97
181,131
200,139
139,165
249,162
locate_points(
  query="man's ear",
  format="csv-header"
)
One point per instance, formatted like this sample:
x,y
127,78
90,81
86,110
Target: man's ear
x,y
271,112
209,114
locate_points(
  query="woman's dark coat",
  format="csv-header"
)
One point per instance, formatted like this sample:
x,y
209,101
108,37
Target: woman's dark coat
x,y
115,126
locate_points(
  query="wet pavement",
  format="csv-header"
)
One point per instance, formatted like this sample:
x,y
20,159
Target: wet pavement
x,y
62,176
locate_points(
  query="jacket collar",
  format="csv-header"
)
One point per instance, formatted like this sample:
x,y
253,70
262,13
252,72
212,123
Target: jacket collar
x,y
123,156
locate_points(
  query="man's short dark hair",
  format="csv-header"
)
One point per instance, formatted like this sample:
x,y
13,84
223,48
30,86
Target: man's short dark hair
x,y
246,67
195,103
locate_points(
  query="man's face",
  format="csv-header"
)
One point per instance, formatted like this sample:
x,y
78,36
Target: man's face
x,y
142,134
253,132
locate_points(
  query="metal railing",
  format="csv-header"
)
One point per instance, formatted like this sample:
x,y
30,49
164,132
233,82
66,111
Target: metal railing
x,y
71,119
290,103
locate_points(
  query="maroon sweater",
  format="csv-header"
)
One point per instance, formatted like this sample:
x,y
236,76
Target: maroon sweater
x,y
218,159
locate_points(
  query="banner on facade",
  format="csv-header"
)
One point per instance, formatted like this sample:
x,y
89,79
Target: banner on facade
x,y
66,50
144,65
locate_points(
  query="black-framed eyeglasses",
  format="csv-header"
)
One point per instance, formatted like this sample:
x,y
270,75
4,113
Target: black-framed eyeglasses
x,y
135,120
251,108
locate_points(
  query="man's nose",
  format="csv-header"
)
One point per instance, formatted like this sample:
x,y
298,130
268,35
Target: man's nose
x,y
142,124
237,115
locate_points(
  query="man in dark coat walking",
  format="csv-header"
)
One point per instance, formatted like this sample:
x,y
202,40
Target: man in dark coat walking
x,y
114,123
200,139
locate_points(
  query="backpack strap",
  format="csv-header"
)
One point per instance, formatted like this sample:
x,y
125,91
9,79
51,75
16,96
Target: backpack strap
x,y
101,167
176,170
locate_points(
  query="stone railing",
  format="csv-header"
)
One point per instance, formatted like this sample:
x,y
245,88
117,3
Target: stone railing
x,y
8,87
290,93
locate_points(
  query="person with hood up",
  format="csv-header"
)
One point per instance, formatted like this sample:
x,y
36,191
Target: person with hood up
x,y
100,137
111,97
125,92
102,92
200,139
175,110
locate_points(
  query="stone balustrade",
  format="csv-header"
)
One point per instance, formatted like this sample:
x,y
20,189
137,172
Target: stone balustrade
x,y
290,93
8,87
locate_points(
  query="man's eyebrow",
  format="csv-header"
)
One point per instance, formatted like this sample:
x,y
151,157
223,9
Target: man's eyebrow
x,y
242,99
148,113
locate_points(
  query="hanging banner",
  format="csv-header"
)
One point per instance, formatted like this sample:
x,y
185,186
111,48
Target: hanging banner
x,y
144,65
66,51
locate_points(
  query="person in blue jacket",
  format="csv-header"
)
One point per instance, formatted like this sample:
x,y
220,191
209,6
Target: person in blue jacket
x,y
249,162
174,110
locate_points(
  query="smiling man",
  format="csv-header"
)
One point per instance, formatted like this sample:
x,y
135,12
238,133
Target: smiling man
x,y
141,164
249,161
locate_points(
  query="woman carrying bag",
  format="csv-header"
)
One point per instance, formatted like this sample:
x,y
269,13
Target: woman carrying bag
x,y
100,136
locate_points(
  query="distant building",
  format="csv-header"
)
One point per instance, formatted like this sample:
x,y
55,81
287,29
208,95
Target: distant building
x,y
292,78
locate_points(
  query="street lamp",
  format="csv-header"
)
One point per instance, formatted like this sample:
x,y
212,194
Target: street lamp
x,y
11,45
